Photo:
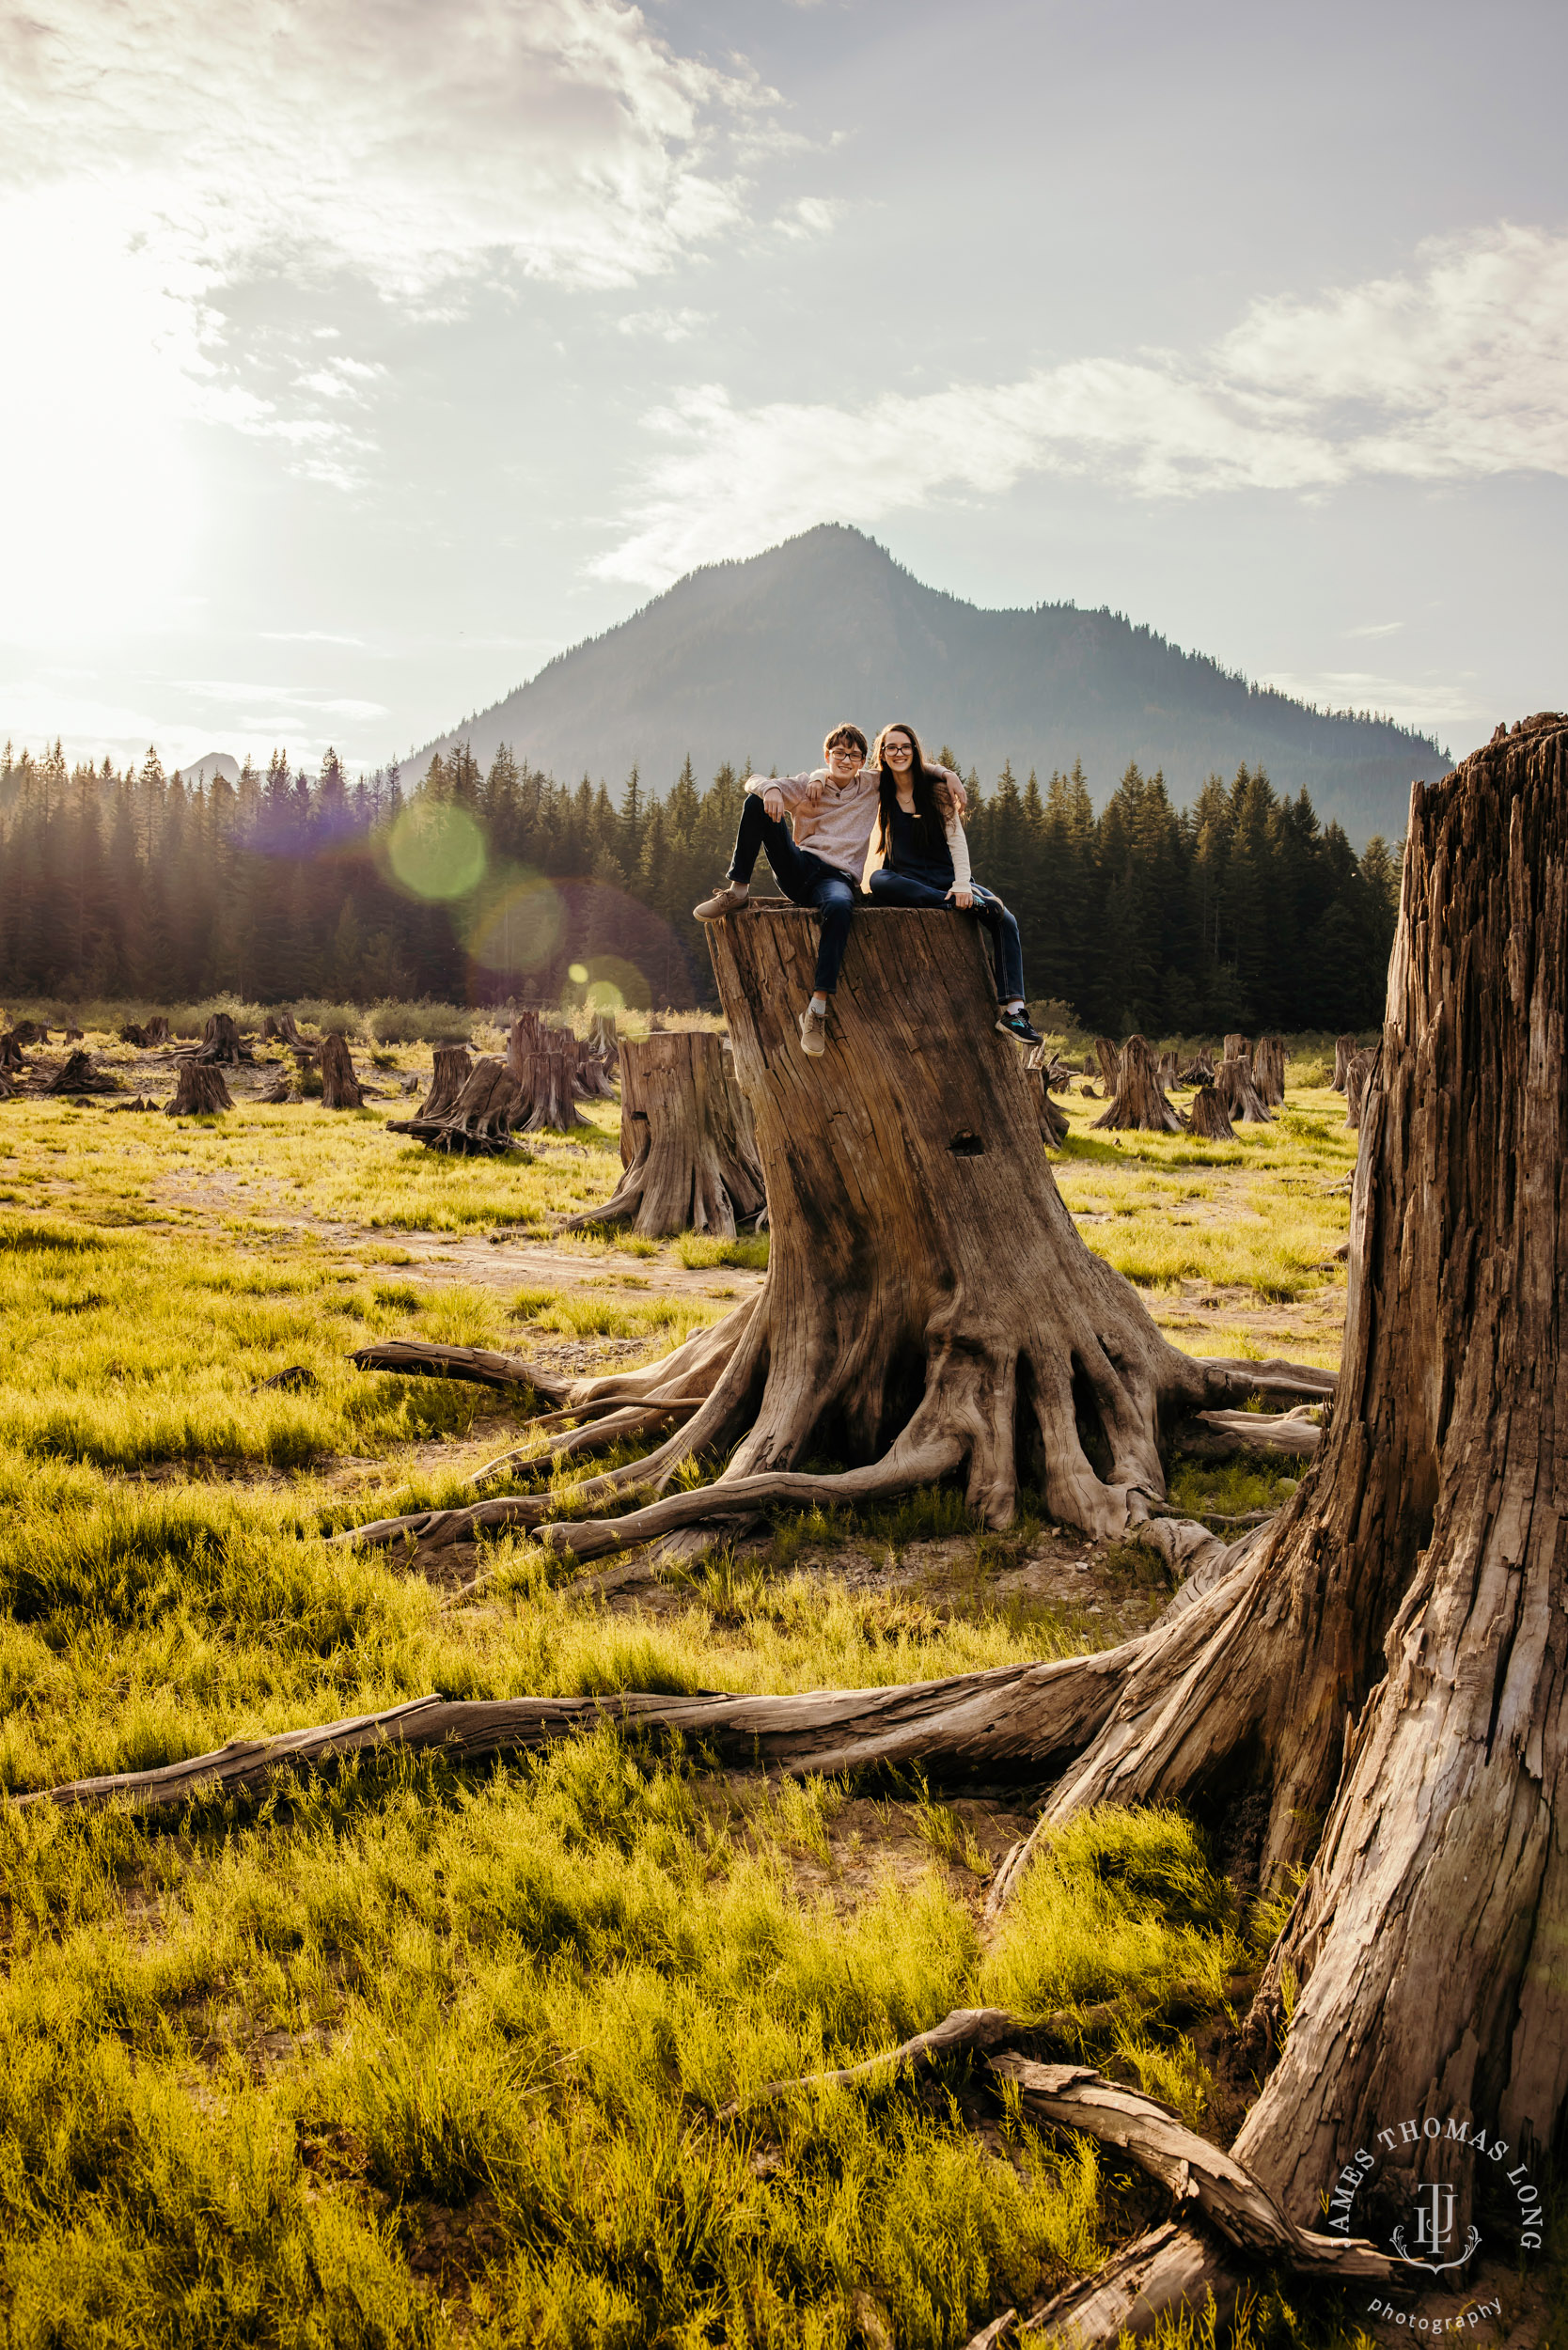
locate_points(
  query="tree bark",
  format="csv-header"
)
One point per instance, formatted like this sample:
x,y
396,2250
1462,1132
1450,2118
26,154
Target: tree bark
x,y
553,1100
1357,1077
11,1050
683,1141
1201,1070
201,1090
1109,1061
1234,1086
340,1085
77,1074
480,1121
1054,1128
605,1043
1237,1048
1268,1069
1345,1053
1209,1116
1140,1097
158,1029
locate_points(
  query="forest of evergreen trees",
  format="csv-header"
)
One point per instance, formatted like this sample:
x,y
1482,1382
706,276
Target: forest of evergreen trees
x,y
1241,911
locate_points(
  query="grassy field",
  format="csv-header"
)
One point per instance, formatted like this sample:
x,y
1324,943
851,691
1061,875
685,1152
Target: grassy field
x,y
413,2057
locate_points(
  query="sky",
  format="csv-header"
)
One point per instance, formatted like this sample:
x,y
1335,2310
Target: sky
x,y
359,360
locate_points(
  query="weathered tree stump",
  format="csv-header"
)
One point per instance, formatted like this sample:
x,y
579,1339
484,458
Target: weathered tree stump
x,y
1268,1069
222,1044
1199,1072
604,1042
77,1074
683,1141
75,1035
1166,1070
1054,1126
453,1068
133,1033
555,1086
8,1086
282,1088
1345,1053
1358,1076
1238,1048
30,1032
11,1050
1209,1116
1139,1098
201,1090
592,1079
1109,1061
158,1029
478,1123
340,1085
1232,1082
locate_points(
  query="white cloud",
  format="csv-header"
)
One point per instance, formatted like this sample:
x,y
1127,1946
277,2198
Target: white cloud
x,y
666,326
1423,702
810,216
1460,370
1377,628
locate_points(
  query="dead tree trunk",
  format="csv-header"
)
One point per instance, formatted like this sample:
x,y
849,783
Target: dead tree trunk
x,y
200,1091
221,1042
1140,1097
1345,1053
1358,1076
340,1085
1209,1116
1109,1061
683,1141
478,1123
554,1090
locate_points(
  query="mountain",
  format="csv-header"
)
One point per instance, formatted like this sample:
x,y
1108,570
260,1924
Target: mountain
x,y
755,660
207,770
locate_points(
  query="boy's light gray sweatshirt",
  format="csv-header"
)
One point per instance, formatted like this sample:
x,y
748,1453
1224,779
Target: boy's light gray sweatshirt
x,y
838,828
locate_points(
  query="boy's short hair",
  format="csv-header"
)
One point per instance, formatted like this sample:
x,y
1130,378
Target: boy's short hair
x,y
845,734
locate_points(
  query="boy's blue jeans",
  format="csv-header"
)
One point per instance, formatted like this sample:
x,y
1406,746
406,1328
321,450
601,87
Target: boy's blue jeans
x,y
1007,951
802,877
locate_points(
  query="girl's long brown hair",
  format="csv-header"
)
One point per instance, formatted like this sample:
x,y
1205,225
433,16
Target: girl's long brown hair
x,y
932,801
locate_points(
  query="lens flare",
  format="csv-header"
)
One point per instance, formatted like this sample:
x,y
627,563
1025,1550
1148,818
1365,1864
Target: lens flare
x,y
518,928
437,851
577,971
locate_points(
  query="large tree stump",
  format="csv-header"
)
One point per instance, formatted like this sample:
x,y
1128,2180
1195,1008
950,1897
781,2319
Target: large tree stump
x,y
340,1085
222,1044
1345,1053
1268,1069
1232,1082
201,1090
480,1121
1238,1048
1209,1116
690,1164
554,1082
1139,1098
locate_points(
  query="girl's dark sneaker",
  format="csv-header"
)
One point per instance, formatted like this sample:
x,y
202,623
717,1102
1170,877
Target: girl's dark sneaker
x,y
1018,1024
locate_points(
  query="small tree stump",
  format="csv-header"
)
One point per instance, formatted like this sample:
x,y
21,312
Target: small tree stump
x,y
158,1029
11,1050
201,1091
282,1088
76,1075
1054,1128
1139,1098
592,1079
7,1089
75,1035
480,1122
1109,1066
131,1033
1237,1048
1360,1068
453,1068
30,1032
1209,1117
221,1042
1199,1070
340,1085
1345,1053
555,1086
1234,1086
605,1043
685,1141
1168,1070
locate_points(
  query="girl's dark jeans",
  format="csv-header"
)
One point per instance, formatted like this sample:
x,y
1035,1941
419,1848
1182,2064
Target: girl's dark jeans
x,y
1006,953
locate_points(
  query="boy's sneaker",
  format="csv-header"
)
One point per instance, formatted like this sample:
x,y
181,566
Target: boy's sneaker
x,y
1019,1025
725,901
813,1032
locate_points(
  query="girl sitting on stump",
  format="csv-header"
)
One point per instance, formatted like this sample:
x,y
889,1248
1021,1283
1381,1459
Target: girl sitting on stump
x,y
921,834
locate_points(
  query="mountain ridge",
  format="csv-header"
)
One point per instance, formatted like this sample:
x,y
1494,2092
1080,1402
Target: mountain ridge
x,y
756,658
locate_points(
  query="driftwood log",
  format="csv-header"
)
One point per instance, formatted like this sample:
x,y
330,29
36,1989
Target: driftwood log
x,y
340,1085
201,1090
478,1123
1345,1053
1138,1097
1358,1076
685,1143
1209,1117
